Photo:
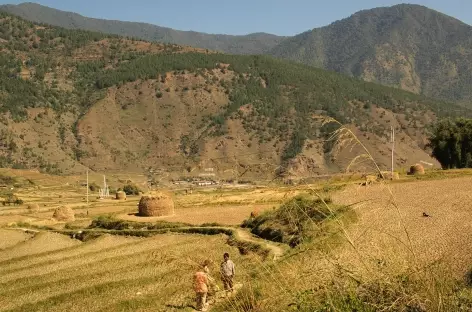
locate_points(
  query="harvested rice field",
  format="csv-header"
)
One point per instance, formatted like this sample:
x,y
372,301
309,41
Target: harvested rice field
x,y
225,215
52,272
9,238
399,229
391,221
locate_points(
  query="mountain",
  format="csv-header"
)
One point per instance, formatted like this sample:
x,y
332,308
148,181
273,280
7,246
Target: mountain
x,y
250,44
405,46
71,99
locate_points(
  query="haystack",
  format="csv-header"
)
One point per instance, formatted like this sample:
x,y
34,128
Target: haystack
x,y
33,207
120,195
156,205
416,169
64,213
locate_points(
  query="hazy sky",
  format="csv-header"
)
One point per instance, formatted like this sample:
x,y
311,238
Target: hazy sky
x,y
281,17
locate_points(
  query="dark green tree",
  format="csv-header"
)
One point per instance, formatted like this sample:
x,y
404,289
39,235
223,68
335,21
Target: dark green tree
x,y
131,189
451,143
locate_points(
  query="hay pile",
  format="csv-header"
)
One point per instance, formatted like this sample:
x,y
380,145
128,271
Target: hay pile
x,y
416,169
33,207
156,205
64,213
120,195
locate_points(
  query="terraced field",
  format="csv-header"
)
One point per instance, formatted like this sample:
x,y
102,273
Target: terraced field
x,y
52,272
389,239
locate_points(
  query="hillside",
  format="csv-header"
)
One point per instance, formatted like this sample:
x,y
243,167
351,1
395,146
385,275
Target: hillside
x,y
406,46
74,98
255,43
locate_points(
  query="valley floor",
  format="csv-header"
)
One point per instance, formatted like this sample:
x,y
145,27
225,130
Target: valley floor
x,y
52,272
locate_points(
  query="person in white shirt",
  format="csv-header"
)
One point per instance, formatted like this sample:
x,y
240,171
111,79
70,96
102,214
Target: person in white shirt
x,y
227,272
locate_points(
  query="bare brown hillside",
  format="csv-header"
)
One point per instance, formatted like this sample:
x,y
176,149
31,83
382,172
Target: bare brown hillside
x,y
74,99
132,128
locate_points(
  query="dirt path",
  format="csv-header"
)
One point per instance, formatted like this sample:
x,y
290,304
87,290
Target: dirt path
x,y
247,236
221,295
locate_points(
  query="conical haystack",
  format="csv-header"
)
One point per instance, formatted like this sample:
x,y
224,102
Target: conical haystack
x,y
64,213
156,205
120,195
416,169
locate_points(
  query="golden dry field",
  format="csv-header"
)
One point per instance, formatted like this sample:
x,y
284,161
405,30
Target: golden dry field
x,y
52,272
392,222
43,270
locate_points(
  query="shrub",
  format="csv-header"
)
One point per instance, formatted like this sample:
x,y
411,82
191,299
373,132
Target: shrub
x,y
292,222
131,189
94,187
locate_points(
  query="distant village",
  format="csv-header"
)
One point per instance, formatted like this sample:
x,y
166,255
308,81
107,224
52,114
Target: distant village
x,y
205,178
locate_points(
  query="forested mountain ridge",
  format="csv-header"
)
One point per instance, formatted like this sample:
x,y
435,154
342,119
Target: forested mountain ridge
x,y
74,98
255,43
405,46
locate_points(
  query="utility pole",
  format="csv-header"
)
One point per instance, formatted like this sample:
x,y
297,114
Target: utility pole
x,y
87,187
392,140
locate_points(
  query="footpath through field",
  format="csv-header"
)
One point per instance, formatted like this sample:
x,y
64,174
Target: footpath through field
x,y
275,249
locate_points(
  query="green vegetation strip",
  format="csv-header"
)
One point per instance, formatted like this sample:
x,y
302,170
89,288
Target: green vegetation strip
x,y
108,225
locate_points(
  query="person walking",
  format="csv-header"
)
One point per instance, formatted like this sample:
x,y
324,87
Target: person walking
x,y
201,283
227,273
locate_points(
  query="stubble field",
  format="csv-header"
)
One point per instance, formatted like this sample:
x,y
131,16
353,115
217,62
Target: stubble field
x,y
52,272
47,271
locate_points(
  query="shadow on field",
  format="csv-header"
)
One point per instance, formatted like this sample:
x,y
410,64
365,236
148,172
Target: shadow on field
x,y
468,278
180,306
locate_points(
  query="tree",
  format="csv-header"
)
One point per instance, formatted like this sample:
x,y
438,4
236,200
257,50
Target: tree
x,y
131,189
94,187
451,143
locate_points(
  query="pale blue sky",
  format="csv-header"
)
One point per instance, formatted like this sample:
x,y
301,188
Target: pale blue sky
x,y
281,17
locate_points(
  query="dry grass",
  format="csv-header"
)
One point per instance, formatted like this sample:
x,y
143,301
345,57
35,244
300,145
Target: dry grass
x,y
112,273
10,238
394,259
227,215
445,236
42,242
376,259
391,241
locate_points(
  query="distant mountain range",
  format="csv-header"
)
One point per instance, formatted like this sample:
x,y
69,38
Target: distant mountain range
x,y
71,99
406,46
256,43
